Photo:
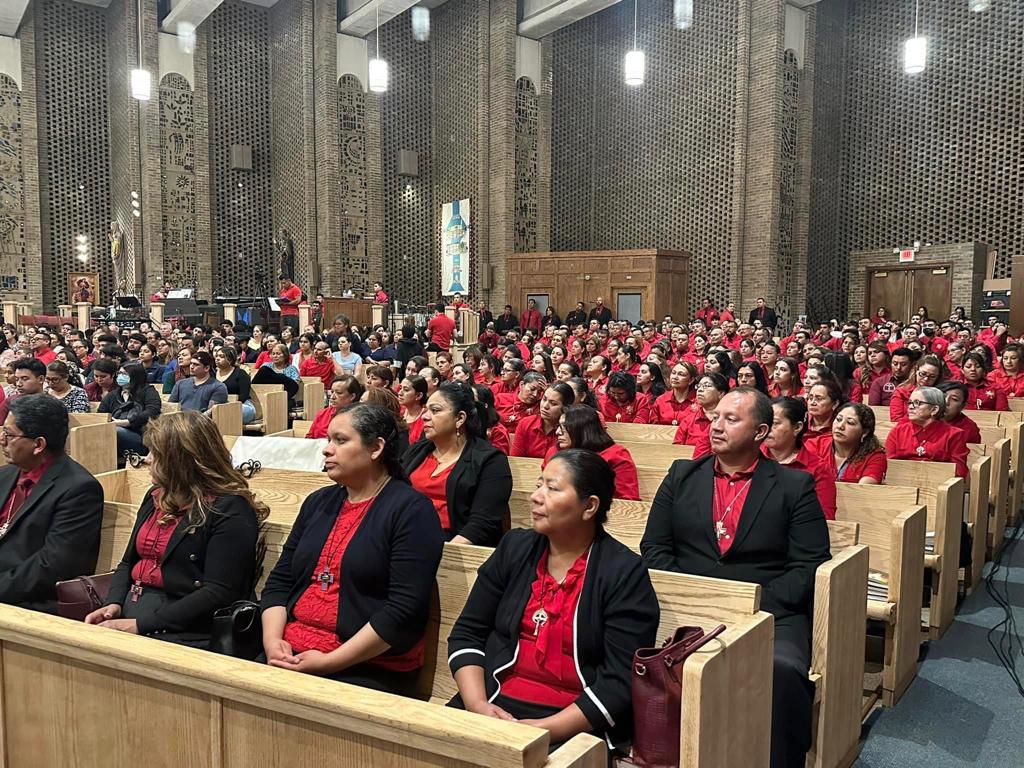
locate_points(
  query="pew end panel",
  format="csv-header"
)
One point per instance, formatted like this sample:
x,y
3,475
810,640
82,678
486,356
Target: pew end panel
x,y
228,418
311,391
906,582
1002,492
94,445
981,472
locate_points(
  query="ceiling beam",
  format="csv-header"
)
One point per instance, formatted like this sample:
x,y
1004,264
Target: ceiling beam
x,y
361,15
11,14
193,12
542,17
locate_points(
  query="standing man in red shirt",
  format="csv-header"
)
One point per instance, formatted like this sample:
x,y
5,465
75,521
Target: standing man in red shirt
x,y
442,329
530,319
289,297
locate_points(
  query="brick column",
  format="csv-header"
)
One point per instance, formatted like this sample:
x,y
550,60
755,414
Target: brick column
x,y
208,282
327,251
33,287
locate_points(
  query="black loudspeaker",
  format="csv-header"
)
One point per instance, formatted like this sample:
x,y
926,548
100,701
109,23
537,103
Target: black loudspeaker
x,y
241,157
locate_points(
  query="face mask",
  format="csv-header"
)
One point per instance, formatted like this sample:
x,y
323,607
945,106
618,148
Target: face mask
x,y
122,379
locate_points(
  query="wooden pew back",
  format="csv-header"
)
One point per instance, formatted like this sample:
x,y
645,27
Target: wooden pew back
x,y
640,433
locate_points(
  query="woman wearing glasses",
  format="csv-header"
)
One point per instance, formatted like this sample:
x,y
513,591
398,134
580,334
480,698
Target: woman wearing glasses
x,y
581,427
924,436
695,421
928,373
59,385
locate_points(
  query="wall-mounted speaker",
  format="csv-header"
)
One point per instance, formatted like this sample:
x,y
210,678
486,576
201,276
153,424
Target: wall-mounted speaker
x,y
408,163
486,278
241,157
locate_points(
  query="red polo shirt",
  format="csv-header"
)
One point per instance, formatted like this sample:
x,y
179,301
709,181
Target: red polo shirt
x,y
986,396
512,410
441,328
292,293
323,371
627,484
967,425
730,494
531,440
636,412
807,460
434,487
874,465
1012,386
322,420
694,429
898,408
498,437
667,410
938,441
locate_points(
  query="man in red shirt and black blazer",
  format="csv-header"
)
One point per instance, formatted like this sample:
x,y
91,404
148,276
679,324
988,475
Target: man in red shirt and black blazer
x,y
739,515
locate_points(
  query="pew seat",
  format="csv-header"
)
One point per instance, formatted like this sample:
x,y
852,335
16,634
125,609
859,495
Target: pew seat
x,y
271,403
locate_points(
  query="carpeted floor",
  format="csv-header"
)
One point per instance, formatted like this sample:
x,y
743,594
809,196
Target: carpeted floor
x,y
963,709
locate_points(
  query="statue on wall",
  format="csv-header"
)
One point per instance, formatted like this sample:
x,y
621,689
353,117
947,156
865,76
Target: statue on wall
x,y
284,249
119,256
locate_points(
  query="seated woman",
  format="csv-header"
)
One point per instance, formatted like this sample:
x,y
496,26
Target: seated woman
x,y
927,373
412,397
194,546
621,402
388,400
235,380
72,398
280,362
350,595
749,373
823,399
785,378
669,407
379,376
982,394
496,433
131,407
956,399
349,361
154,370
785,445
345,390
852,453
467,479
695,423
581,427
176,374
924,436
1009,377
535,436
548,633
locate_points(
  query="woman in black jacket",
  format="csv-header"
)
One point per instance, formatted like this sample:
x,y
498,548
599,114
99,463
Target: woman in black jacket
x,y
548,633
194,546
467,479
350,595
131,405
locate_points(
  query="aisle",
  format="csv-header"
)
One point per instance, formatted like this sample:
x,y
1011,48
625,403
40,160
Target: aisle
x,y
962,709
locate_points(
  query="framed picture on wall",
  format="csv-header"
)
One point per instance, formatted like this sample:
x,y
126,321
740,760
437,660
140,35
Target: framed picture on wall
x,y
83,286
456,235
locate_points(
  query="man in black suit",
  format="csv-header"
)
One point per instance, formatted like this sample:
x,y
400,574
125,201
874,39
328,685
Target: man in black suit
x,y
506,321
52,507
577,317
600,312
738,515
763,313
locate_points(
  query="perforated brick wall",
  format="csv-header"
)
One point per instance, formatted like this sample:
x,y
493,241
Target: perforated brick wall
x,y
178,181
355,264
527,128
12,188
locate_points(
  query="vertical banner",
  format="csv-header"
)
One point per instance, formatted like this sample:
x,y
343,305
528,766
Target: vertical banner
x,y
455,239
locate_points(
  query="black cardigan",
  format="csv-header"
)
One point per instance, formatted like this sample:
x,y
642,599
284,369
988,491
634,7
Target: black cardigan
x,y
203,568
478,490
387,572
617,613
119,408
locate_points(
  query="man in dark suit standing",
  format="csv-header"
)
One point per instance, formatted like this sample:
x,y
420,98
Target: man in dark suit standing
x,y
763,313
577,317
600,312
506,321
52,507
738,515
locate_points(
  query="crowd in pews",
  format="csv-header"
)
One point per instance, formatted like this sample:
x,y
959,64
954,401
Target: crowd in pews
x,y
422,437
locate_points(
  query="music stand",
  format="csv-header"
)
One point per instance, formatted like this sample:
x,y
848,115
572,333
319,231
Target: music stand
x,y
181,308
128,302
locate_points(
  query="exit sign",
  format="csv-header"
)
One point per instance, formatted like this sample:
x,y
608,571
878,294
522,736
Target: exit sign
x,y
906,256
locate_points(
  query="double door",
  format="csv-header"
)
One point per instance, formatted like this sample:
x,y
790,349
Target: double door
x,y
901,291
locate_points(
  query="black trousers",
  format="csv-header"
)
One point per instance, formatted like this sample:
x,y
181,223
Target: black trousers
x,y
792,693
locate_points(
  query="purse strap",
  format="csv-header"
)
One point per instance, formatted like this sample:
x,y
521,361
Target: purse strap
x,y
671,659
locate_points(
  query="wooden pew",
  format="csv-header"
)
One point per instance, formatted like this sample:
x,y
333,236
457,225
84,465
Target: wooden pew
x,y
271,403
892,524
840,611
943,494
217,711
640,433
92,441
1015,431
228,417
657,454
311,395
725,685
525,472
1000,492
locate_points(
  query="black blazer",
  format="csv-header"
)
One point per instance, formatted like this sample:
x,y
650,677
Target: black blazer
x,y
55,535
781,540
770,319
478,490
389,567
118,408
617,613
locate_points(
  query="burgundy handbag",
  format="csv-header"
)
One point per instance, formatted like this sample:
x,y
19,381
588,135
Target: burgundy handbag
x,y
77,598
657,690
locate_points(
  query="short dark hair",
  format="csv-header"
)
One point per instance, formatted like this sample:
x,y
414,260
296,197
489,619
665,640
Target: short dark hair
x,y
622,380
204,358
113,351
30,364
136,378
105,365
42,416
590,475
353,386
762,404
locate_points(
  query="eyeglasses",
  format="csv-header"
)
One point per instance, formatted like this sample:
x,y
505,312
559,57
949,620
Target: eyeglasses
x,y
816,398
914,404
8,435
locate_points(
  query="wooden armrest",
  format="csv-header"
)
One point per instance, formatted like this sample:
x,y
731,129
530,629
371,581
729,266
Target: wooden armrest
x,y
275,411
933,561
878,610
581,751
228,417
949,512
906,582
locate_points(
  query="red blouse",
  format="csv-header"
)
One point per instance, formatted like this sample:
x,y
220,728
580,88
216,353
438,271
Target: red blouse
x,y
898,408
322,420
938,441
667,410
545,668
416,428
627,484
694,429
314,621
1012,386
531,440
512,410
874,465
807,460
636,412
498,437
434,487
986,396
968,426
151,545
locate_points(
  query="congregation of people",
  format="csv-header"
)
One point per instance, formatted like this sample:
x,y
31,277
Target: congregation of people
x,y
418,440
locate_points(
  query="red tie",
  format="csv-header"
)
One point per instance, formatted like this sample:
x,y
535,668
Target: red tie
x,y
16,500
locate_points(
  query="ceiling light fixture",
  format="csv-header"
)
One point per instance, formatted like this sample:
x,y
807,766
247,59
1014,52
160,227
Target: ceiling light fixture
x,y
915,50
682,13
635,63
140,78
377,69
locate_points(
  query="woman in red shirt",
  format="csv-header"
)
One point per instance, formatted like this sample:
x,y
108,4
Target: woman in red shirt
x,y
345,390
785,445
751,374
541,363
1010,377
496,433
924,436
622,403
581,427
487,373
548,633
349,597
982,394
785,378
956,399
535,436
669,408
413,399
695,425
928,373
823,401
853,454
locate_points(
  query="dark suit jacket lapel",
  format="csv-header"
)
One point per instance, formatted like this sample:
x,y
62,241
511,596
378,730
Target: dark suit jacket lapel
x,y
760,488
39,490
9,478
703,501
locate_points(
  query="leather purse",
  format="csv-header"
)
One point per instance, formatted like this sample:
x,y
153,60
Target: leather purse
x,y
237,630
657,690
77,598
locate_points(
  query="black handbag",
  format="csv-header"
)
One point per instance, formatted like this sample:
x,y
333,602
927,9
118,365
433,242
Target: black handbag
x,y
237,630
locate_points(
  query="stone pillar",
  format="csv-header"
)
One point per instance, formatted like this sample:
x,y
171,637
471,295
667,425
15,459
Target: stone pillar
x,y
156,311
229,313
10,311
64,310
378,312
304,316
24,308
82,310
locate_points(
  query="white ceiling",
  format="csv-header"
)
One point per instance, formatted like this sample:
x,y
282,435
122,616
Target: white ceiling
x,y
11,12
361,15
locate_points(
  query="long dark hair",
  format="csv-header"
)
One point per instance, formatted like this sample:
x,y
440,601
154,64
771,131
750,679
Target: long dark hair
x,y
658,386
460,397
795,411
136,378
579,385
485,405
760,383
583,426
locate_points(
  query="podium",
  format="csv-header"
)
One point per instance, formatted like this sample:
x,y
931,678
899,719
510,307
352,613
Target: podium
x,y
358,311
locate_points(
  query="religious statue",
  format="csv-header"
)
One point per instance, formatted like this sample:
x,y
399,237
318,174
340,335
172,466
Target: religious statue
x,y
284,248
119,256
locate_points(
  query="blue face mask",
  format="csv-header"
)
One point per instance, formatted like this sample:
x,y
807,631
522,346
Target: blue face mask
x,y
122,379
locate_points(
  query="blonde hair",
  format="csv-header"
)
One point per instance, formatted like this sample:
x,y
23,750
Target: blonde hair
x,y
190,464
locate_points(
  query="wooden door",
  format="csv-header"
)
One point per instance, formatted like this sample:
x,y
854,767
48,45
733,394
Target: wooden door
x,y
889,288
932,288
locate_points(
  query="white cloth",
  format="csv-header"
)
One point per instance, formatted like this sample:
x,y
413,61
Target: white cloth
x,y
280,452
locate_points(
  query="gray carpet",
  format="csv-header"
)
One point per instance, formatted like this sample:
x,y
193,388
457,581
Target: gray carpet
x,y
962,709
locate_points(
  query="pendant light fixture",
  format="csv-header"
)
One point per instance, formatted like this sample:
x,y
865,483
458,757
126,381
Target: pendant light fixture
x,y
140,78
915,50
682,13
377,70
636,62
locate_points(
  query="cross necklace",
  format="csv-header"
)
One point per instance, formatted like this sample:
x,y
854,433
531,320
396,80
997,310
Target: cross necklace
x,y
720,529
325,577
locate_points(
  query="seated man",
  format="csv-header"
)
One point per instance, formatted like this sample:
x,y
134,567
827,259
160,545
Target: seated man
x,y
52,507
200,391
29,379
738,515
